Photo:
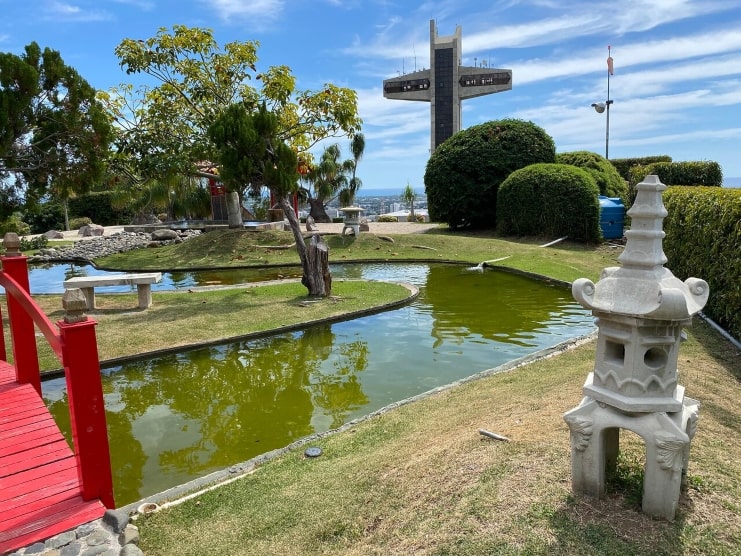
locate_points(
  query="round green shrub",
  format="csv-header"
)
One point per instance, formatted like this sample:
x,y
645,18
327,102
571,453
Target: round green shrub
x,y
464,173
77,223
14,224
549,200
608,179
387,218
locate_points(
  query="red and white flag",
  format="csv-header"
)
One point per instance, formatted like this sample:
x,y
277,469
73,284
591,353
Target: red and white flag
x,y
609,62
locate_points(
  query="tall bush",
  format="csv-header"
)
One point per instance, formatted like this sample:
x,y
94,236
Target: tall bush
x,y
605,175
703,239
464,173
551,200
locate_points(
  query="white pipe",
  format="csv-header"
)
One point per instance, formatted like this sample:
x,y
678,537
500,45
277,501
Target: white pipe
x,y
555,241
723,333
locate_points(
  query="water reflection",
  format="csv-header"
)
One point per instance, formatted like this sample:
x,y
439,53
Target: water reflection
x,y
182,416
177,417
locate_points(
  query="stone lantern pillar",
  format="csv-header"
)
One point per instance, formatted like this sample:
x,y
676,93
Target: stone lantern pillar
x,y
640,308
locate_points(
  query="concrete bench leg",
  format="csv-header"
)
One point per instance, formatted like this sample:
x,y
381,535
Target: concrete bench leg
x,y
89,294
145,295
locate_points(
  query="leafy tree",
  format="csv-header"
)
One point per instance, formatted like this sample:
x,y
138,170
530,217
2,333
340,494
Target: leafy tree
x,y
54,135
463,174
163,129
251,151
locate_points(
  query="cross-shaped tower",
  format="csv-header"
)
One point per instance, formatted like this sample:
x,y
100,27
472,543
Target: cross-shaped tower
x,y
446,83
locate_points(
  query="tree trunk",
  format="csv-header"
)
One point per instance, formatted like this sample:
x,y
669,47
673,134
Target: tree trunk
x,y
66,214
314,259
233,210
318,212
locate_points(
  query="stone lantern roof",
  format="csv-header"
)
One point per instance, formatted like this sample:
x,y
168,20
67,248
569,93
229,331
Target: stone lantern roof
x,y
643,287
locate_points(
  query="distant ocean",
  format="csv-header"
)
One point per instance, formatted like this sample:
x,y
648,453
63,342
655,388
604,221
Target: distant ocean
x,y
387,192
396,191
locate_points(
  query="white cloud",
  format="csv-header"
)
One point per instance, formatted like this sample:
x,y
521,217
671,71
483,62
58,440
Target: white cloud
x,y
257,12
64,12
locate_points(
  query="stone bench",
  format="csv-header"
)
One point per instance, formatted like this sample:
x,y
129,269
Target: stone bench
x,y
143,283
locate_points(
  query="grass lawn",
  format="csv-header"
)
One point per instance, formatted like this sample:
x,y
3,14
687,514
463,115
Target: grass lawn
x,y
420,479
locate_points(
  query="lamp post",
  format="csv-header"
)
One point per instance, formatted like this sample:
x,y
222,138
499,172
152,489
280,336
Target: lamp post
x,y
600,107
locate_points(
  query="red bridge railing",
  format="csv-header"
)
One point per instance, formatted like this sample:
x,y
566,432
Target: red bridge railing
x,y
74,343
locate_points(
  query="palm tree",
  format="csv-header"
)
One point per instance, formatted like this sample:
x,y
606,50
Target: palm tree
x,y
408,195
328,178
357,147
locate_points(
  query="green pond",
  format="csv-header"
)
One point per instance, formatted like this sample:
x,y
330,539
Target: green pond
x,y
175,418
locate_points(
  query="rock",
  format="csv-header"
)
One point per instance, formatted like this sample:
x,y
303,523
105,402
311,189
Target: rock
x,y
97,538
130,535
61,540
311,225
145,219
90,230
54,234
116,520
95,247
164,235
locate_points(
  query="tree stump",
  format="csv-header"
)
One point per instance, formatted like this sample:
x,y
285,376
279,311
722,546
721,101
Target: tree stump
x,y
318,279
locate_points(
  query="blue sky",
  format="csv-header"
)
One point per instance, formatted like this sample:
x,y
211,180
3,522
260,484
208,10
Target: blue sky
x,y
676,86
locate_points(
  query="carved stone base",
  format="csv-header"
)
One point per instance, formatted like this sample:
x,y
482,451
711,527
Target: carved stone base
x,y
595,429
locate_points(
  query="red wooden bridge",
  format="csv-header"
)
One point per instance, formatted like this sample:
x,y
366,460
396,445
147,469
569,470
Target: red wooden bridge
x,y
46,487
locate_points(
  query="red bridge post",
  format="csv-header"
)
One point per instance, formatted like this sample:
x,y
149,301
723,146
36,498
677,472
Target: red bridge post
x,y
25,356
86,404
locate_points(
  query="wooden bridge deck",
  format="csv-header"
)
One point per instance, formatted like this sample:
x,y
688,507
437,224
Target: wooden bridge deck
x,y
39,484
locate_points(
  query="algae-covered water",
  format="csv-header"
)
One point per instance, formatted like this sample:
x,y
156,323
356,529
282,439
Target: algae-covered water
x,y
178,417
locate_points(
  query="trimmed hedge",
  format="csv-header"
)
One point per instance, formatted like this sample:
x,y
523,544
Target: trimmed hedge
x,y
677,173
623,165
606,176
463,174
551,200
680,173
703,239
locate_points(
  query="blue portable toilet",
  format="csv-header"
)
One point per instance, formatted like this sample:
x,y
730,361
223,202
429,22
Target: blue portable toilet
x,y
611,217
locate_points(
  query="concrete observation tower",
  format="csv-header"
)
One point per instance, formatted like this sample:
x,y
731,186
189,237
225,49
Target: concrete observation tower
x,y
446,83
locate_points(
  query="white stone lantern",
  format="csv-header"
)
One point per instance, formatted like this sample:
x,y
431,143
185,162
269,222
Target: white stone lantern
x,y
351,219
641,309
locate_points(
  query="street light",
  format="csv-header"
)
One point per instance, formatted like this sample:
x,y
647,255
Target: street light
x,y
601,107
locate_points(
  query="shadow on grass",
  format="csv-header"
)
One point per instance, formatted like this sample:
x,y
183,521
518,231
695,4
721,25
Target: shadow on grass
x,y
583,525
